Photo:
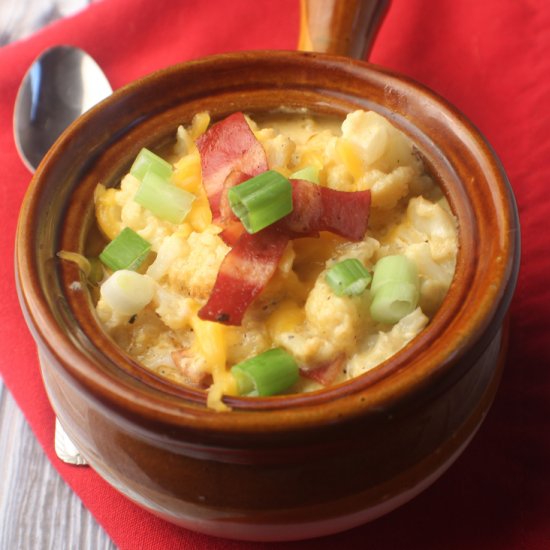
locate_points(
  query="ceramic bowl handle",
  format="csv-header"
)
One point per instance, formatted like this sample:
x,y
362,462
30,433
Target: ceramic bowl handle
x,y
341,27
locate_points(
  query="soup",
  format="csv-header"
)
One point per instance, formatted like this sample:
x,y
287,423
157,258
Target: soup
x,y
352,256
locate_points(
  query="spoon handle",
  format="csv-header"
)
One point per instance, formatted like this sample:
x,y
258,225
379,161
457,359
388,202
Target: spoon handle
x,y
342,27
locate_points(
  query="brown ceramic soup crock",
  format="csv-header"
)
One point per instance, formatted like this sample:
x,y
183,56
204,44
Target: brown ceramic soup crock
x,y
285,467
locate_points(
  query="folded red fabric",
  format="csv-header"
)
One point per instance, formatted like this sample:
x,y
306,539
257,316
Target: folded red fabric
x,y
492,60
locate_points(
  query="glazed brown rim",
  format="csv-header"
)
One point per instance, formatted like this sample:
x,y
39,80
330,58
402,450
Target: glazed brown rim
x,y
475,304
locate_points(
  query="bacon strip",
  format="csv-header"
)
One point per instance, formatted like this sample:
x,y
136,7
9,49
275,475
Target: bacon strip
x,y
228,146
317,208
243,274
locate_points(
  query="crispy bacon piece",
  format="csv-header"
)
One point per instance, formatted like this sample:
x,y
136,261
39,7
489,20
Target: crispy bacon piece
x,y
243,274
317,208
232,232
228,146
326,373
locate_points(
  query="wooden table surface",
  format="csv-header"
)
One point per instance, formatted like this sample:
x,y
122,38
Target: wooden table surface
x,y
38,511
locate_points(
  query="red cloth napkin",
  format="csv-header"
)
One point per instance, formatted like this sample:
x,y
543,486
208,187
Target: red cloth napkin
x,y
492,60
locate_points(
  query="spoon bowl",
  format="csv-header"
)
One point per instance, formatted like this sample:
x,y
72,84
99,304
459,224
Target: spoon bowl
x,y
61,84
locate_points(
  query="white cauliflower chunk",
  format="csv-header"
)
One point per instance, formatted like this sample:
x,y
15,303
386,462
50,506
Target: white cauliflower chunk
x,y
435,278
427,236
339,178
195,271
110,318
173,247
363,251
174,310
334,318
434,221
306,347
369,132
379,144
246,341
387,190
381,346
279,150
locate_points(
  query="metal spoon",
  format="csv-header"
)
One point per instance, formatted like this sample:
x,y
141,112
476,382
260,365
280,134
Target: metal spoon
x,y
60,85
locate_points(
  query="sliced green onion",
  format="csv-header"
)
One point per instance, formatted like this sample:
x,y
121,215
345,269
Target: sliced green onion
x,y
269,373
81,261
147,161
91,267
262,200
394,288
164,200
96,271
349,277
394,301
127,251
396,268
127,292
309,173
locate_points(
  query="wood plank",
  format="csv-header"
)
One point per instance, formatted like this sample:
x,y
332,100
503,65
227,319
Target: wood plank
x,y
37,509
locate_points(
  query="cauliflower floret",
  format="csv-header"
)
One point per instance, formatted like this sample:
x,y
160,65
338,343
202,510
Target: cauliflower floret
x,y
364,250
279,152
321,142
337,319
264,134
128,188
329,328
246,341
319,151
339,178
387,190
174,309
427,235
433,220
195,271
369,132
379,347
306,347
435,278
171,248
109,317
150,342
378,143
